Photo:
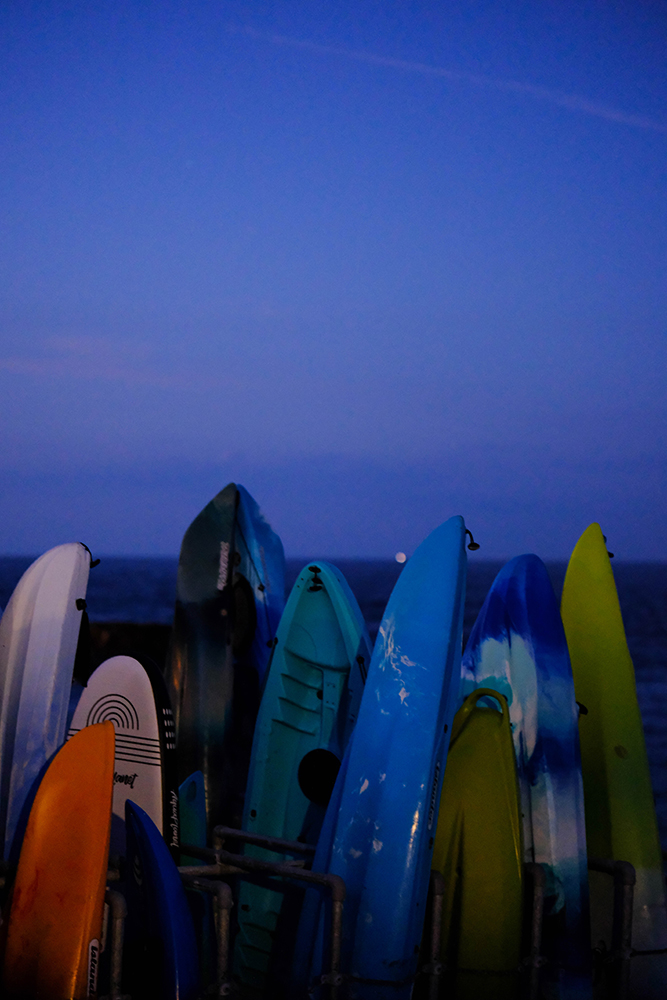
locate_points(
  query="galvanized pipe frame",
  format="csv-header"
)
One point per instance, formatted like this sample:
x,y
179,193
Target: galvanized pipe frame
x,y
222,833
117,912
625,878
434,966
223,863
534,961
224,902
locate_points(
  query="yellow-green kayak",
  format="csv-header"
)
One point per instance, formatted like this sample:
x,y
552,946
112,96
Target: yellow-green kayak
x,y
479,850
620,811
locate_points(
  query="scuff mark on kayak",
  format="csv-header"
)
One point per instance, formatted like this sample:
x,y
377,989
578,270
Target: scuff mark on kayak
x,y
364,786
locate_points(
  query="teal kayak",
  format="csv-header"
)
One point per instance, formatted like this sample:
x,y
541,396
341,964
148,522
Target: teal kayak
x,y
307,714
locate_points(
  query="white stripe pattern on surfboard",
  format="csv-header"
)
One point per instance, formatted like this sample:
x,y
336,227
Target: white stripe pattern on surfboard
x,y
135,749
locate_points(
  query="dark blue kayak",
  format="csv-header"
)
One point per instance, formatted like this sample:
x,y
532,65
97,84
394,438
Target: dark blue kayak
x,y
160,960
192,808
230,593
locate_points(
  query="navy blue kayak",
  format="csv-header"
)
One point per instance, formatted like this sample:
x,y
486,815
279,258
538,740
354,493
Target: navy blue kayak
x,y
380,826
160,960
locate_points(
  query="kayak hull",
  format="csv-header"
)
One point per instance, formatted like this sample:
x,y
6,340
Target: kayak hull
x,y
39,633
229,596
383,833
620,812
55,921
309,707
517,647
479,851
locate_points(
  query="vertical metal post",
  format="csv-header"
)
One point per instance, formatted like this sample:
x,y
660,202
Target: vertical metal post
x,y
536,874
621,942
625,877
118,911
434,966
334,977
224,903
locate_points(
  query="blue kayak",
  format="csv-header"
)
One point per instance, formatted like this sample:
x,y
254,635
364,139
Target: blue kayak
x,y
517,647
380,826
192,814
160,960
192,809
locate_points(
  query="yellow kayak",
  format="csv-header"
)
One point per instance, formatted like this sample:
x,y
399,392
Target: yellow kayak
x,y
55,920
620,811
479,851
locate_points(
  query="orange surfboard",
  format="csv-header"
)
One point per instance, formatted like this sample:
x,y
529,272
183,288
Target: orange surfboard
x,y
55,920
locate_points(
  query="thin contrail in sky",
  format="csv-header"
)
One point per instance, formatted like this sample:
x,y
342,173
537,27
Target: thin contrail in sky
x,y
571,101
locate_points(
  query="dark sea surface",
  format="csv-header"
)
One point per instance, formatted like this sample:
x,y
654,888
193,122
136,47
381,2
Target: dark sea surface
x,y
143,590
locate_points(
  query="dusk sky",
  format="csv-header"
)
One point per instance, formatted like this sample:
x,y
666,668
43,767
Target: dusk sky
x,y
380,262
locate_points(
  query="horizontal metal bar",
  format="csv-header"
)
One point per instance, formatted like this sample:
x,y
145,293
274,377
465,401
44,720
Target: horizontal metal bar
x,y
222,833
228,863
622,871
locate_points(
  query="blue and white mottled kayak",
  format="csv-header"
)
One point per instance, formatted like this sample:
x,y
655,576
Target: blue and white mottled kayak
x,y
39,633
386,805
518,648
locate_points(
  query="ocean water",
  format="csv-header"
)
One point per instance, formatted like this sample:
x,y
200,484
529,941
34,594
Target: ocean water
x,y
142,590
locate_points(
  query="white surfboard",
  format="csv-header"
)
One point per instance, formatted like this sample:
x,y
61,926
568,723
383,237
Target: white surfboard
x,y
132,694
39,633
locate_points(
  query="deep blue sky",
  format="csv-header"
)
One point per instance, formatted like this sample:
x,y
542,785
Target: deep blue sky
x,y
380,262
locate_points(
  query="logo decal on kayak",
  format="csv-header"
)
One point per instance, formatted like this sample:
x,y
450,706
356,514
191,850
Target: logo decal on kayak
x,y
124,779
434,789
93,965
224,565
173,824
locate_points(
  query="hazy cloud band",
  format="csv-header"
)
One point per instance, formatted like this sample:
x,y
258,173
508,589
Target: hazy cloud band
x,y
572,102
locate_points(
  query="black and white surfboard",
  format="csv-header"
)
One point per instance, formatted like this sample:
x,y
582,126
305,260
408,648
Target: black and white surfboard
x,y
131,693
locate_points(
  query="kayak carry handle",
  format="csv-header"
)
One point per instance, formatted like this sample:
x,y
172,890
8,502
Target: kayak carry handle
x,y
472,544
470,703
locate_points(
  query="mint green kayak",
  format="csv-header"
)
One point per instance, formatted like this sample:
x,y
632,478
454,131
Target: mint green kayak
x,y
307,714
